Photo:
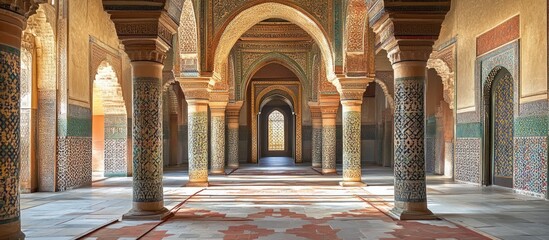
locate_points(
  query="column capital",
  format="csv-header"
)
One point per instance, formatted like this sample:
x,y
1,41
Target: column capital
x,y
417,53
353,88
196,87
218,107
316,112
219,97
233,109
24,8
407,29
146,35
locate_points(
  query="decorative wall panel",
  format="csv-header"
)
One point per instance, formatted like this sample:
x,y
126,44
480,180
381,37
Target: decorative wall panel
x,y
530,168
468,157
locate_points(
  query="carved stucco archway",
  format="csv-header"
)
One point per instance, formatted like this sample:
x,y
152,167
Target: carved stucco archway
x,y
447,76
388,95
109,116
40,27
255,107
249,17
278,58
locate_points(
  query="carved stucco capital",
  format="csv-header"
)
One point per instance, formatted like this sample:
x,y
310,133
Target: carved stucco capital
x,y
196,88
447,76
146,35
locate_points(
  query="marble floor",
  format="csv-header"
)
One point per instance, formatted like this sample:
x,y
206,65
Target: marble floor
x,y
284,202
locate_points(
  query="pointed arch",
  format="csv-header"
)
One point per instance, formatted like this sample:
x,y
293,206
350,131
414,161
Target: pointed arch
x,y
249,17
267,59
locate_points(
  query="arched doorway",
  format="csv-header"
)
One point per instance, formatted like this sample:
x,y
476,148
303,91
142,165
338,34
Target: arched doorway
x,y
276,121
499,132
109,125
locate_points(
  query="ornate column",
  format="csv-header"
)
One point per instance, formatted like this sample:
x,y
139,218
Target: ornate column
x,y
233,116
147,55
218,104
352,91
11,28
328,108
316,115
197,94
410,186
407,33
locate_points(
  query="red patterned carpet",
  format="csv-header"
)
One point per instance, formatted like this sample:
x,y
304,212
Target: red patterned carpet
x,y
293,203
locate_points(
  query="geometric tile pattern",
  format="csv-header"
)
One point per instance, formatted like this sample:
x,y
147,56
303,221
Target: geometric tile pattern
x,y
328,148
74,166
531,165
147,140
502,94
232,139
317,146
409,140
467,162
198,146
116,157
430,154
9,133
46,140
218,142
351,146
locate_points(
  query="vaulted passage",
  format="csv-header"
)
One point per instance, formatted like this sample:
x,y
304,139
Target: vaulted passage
x,y
254,119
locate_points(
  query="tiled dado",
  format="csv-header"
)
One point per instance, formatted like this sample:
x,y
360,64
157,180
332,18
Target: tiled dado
x,y
116,163
74,162
9,132
468,160
530,166
430,141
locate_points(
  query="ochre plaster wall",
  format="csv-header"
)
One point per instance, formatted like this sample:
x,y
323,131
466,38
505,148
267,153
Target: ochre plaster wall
x,y
470,18
86,18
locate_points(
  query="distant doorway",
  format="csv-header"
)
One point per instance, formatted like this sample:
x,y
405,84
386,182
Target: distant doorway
x,y
499,126
276,129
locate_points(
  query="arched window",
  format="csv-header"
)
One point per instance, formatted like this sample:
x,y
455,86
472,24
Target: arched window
x,y
276,131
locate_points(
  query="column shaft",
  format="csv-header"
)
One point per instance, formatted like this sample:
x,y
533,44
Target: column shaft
x,y
233,117
198,142
11,27
410,188
218,138
148,193
352,171
316,118
329,141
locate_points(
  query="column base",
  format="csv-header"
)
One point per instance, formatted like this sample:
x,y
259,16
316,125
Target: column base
x,y
146,215
352,184
402,214
11,231
15,236
329,171
315,165
197,184
218,172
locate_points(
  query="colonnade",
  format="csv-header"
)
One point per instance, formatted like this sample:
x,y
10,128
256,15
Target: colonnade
x,y
147,55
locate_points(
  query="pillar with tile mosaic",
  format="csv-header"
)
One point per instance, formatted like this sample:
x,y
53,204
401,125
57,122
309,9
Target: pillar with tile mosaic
x,y
11,28
233,117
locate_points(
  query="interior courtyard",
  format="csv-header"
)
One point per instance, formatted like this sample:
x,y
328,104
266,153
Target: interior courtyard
x,y
274,119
